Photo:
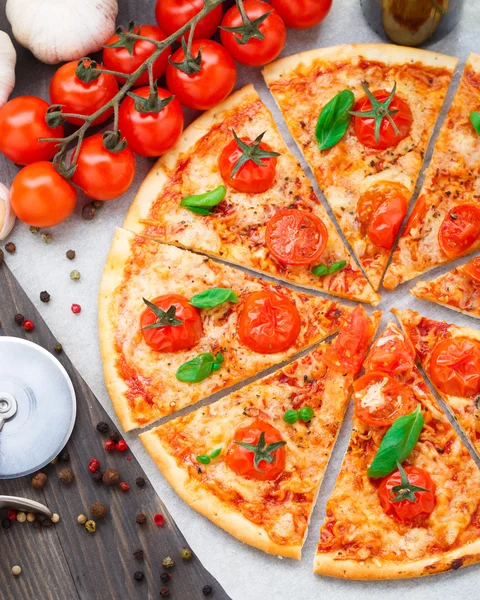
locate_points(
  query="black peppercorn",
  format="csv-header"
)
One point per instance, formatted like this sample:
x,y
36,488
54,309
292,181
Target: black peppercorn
x,y
97,204
18,318
98,510
88,212
97,476
164,592
47,523
6,523
207,590
115,436
10,247
102,427
45,297
140,481
138,575
66,476
138,553
58,348
141,519
64,456
165,577
39,480
36,524
70,254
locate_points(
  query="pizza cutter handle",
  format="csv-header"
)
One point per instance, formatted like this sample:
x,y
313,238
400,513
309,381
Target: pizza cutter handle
x,y
25,505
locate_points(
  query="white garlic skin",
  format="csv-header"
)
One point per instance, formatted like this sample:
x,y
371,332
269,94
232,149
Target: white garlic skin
x,y
62,30
7,216
8,59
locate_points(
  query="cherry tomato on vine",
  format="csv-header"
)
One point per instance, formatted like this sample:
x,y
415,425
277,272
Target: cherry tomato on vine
x,y
472,269
460,229
101,173
173,14
120,59
455,367
406,510
302,14
41,197
209,86
254,52
151,133
22,122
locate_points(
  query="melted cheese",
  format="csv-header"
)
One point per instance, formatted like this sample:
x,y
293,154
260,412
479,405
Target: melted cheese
x,y
373,398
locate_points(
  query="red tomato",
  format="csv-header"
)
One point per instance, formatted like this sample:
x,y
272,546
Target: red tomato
x,y
211,84
348,351
173,14
240,460
302,14
380,399
364,126
120,59
416,216
455,367
404,510
392,353
254,52
40,197
22,122
268,322
101,174
151,134
381,210
459,230
171,338
296,237
250,178
82,98
472,269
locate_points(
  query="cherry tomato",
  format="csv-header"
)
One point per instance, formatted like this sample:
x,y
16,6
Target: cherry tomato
x,y
82,98
472,269
211,84
404,510
392,353
455,367
120,59
22,122
381,210
240,460
416,216
173,14
171,338
459,230
254,52
302,14
296,237
101,174
250,177
268,322
365,126
348,351
40,197
151,134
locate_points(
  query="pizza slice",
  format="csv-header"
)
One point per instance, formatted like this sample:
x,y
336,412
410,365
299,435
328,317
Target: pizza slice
x,y
176,326
406,502
232,189
366,163
445,221
450,357
253,462
459,289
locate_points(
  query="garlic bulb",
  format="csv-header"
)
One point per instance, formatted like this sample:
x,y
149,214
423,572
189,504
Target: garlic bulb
x,y
62,30
7,216
8,58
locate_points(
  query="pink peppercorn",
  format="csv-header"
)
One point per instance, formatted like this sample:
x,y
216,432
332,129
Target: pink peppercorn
x,y
28,325
76,309
109,445
121,446
12,514
93,465
124,486
159,520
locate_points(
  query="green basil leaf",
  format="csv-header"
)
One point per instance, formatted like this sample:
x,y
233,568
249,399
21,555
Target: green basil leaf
x,y
320,270
213,297
199,211
215,453
397,443
475,120
337,266
201,203
199,368
334,119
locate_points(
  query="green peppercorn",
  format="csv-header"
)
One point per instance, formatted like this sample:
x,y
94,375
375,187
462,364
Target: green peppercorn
x,y
305,413
204,459
58,348
90,526
186,554
290,416
46,237
168,562
34,230
75,275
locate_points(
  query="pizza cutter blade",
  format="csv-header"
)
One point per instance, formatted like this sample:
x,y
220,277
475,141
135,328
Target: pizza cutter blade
x,y
37,407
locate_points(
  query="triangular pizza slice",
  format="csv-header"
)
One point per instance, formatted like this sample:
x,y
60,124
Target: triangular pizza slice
x,y
232,189
253,462
176,326
406,502
366,166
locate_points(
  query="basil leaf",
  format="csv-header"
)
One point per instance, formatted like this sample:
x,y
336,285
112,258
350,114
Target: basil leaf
x,y
215,453
201,203
397,443
334,119
199,368
475,120
320,270
336,266
213,297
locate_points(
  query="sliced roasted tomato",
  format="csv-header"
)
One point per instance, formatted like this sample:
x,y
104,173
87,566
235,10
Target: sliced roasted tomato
x,y
172,337
257,451
381,210
296,237
459,230
416,216
406,510
380,399
472,269
392,353
268,322
455,367
348,351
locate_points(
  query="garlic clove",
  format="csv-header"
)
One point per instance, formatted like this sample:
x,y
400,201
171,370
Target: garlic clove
x,y
8,59
7,216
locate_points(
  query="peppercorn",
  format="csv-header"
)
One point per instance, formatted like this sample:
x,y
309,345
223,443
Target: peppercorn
x,y
93,465
19,319
55,518
90,526
64,456
111,477
109,445
97,476
58,348
102,427
34,230
138,553
98,204
66,475
21,517
207,590
75,275
10,247
141,518
45,297
82,519
70,254
140,481
36,524
16,570
186,554
168,562
121,446
46,237
124,486
138,575
76,309
115,436
47,523
6,524
39,480
165,577
98,510
88,212
12,514
31,517
159,520
164,592
28,325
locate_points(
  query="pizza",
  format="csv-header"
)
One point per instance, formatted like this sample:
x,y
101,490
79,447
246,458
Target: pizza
x,y
406,502
445,221
232,189
176,326
366,166
459,289
253,461
450,356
